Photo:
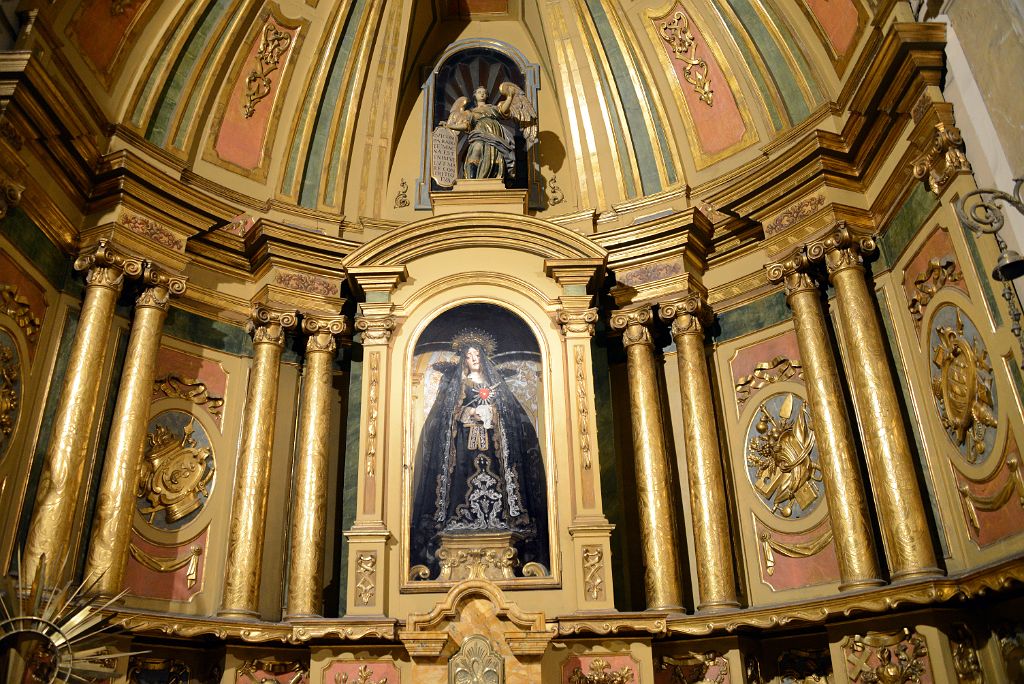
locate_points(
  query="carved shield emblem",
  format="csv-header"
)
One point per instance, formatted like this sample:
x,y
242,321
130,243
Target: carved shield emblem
x,y
443,156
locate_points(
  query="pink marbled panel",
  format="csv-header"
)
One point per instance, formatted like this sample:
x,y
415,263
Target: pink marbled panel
x,y
171,361
796,573
589,665
721,125
143,582
241,139
746,359
938,245
28,289
101,27
380,670
838,19
1005,522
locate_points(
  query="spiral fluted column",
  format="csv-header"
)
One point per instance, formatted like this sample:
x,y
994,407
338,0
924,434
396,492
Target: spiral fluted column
x,y
252,479
108,548
662,572
708,506
49,533
306,558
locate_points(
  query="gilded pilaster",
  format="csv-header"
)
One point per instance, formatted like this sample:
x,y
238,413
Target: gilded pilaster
x,y
662,572
66,458
709,508
245,544
890,461
305,571
844,489
108,549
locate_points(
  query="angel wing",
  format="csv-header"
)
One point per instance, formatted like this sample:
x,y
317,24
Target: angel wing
x,y
458,119
519,107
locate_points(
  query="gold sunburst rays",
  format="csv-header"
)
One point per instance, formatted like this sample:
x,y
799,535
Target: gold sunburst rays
x,y
52,636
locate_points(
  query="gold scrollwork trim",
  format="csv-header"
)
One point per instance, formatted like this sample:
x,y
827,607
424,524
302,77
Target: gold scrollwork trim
x,y
158,564
677,34
600,672
366,578
582,409
803,550
974,503
938,272
273,44
765,373
372,408
593,572
18,308
190,389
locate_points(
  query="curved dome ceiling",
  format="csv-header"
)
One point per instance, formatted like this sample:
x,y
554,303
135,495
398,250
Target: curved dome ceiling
x,y
316,107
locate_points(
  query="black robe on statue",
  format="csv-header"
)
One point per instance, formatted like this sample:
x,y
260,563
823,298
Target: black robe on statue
x,y
478,468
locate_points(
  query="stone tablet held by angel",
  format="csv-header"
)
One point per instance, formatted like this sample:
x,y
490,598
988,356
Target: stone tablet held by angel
x,y
490,147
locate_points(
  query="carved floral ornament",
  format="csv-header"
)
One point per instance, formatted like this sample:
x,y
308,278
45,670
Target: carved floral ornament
x,y
10,388
710,667
273,44
477,662
886,658
600,672
177,471
962,383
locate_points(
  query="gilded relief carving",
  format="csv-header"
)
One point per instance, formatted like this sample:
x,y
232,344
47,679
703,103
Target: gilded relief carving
x,y
18,308
264,670
177,470
805,667
363,676
794,213
583,406
149,670
886,658
273,44
160,564
593,572
771,546
962,383
147,228
10,388
676,32
1011,647
965,656
943,160
402,198
366,577
765,373
600,672
782,458
476,663
190,389
1014,484
938,272
710,667
373,410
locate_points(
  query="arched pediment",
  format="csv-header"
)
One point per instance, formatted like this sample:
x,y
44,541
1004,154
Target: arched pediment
x,y
478,229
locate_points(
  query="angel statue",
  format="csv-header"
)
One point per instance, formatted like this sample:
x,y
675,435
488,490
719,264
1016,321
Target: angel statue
x,y
490,148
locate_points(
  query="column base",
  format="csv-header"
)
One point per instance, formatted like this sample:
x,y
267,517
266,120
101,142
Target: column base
x,y
238,614
915,574
718,607
861,584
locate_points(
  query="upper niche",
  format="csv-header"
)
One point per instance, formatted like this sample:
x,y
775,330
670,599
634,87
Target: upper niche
x,y
465,66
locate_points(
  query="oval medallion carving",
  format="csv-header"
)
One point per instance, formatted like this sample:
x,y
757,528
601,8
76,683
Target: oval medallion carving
x,y
177,471
10,389
782,456
962,383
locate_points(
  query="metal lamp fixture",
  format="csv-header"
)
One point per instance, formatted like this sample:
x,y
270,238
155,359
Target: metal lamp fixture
x,y
986,216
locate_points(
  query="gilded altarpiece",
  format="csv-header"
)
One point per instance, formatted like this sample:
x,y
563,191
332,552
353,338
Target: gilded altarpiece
x,y
487,328
780,497
951,333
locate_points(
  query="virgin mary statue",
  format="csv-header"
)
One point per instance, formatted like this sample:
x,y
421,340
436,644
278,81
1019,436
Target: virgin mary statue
x,y
478,466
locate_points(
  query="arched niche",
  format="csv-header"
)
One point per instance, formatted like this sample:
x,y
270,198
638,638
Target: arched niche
x,y
463,66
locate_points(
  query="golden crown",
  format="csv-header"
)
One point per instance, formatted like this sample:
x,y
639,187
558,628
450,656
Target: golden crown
x,y
474,337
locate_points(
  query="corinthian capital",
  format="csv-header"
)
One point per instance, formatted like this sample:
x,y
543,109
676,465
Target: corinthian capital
x,y
688,315
633,323
267,325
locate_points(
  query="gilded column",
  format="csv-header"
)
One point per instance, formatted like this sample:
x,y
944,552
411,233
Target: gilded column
x,y
890,461
305,564
844,489
662,573
108,549
245,544
49,533
709,508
